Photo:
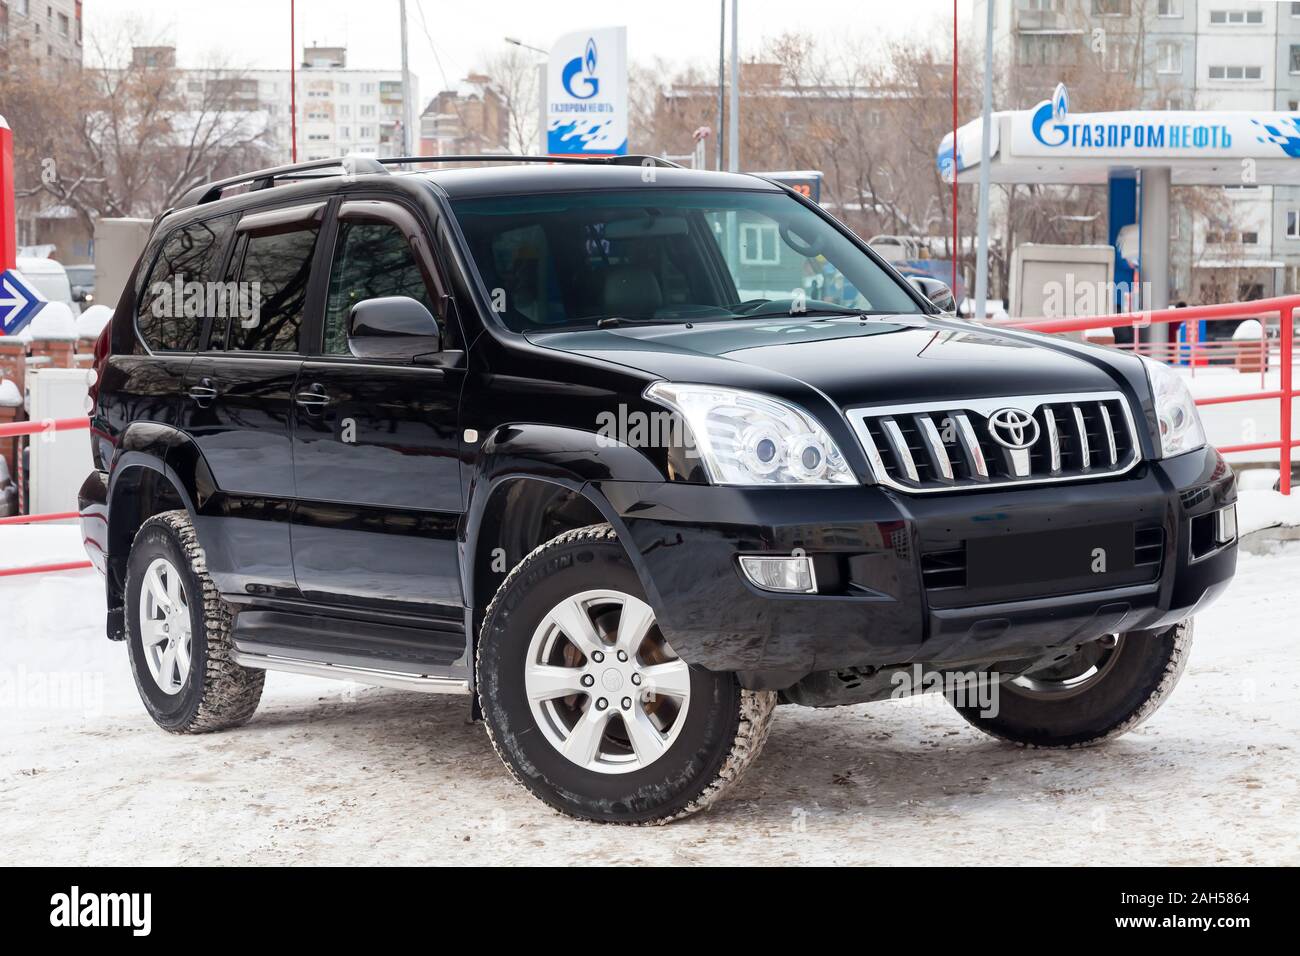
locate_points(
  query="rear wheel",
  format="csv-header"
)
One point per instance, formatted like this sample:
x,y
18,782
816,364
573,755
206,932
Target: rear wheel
x,y
589,706
178,634
1103,690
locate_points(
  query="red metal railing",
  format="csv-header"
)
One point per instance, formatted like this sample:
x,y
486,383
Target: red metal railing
x,y
42,427
1286,308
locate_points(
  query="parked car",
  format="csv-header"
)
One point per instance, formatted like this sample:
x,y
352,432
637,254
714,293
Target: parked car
x,y
50,279
82,279
572,440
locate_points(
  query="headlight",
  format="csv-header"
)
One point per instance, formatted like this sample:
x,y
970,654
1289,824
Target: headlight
x,y
1180,423
744,438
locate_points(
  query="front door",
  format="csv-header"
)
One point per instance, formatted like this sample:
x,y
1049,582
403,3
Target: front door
x,y
375,443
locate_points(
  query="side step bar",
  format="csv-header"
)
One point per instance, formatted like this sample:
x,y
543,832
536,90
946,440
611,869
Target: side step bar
x,y
424,683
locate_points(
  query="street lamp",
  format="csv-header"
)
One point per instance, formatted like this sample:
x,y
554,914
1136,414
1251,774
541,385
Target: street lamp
x,y
526,46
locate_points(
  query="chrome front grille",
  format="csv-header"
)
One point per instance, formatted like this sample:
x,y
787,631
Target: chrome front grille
x,y
983,443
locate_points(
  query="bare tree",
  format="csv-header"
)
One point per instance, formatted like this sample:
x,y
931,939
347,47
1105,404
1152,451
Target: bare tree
x,y
126,136
514,72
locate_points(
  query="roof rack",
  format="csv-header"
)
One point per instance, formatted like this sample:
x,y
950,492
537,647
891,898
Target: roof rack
x,y
362,165
631,159
266,178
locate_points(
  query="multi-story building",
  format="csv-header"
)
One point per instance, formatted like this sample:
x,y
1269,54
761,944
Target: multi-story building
x,y
1173,54
341,111
472,118
47,31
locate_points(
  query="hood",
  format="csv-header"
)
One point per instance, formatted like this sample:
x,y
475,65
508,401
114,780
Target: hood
x,y
851,360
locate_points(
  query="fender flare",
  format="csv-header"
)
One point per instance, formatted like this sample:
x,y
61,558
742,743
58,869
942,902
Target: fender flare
x,y
569,458
165,451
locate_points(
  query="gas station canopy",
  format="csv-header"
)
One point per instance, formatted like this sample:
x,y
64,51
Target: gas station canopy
x,y
1138,155
1050,145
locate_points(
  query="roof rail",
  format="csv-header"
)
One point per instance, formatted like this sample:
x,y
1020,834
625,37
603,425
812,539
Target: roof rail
x,y
266,178
631,159
360,165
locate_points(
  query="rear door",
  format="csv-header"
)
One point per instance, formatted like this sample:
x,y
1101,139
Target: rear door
x,y
147,384
375,442
238,397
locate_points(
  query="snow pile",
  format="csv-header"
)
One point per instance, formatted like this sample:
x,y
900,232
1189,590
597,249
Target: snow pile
x,y
1257,510
91,322
9,394
54,322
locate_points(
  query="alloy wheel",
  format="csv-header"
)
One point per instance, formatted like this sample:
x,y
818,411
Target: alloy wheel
x,y
606,689
165,626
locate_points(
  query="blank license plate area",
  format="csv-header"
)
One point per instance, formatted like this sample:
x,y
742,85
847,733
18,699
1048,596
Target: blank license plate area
x,y
1049,555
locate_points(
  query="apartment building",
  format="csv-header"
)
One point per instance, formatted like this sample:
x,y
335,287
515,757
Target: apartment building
x,y
472,118
1174,54
47,31
341,110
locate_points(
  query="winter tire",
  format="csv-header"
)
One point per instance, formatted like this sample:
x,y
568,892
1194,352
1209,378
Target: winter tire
x,y
587,704
1105,689
178,634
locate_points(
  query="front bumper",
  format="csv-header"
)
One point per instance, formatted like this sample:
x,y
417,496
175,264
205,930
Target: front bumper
x,y
873,547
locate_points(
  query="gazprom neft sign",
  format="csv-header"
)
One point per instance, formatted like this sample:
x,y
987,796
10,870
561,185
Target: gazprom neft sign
x,y
1051,130
586,93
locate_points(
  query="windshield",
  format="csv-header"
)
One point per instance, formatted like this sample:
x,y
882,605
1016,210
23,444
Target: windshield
x,y
575,259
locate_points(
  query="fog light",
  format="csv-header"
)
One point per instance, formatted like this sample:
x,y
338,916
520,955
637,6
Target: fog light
x,y
793,574
1225,524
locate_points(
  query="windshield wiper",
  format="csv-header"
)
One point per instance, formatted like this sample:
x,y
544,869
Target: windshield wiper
x,y
613,321
793,314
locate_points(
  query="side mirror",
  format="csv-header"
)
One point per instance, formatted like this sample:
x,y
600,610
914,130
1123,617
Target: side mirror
x,y
392,327
936,291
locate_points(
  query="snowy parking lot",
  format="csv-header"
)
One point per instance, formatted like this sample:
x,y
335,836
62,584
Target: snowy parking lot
x,y
337,773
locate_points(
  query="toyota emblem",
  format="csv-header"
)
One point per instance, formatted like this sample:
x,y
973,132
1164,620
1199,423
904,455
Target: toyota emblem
x,y
1013,428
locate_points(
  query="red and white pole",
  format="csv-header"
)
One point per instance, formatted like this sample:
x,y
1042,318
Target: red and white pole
x,y
8,207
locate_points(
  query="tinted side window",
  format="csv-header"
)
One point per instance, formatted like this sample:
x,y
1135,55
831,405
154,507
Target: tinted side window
x,y
175,299
371,260
276,270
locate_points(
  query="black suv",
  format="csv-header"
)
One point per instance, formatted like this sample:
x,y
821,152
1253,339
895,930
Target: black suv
x,y
631,454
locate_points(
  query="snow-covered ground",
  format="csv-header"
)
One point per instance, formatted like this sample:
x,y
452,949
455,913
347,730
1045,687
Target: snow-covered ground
x,y
335,773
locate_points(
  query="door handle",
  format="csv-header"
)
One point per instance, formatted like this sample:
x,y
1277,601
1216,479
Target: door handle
x,y
202,391
313,397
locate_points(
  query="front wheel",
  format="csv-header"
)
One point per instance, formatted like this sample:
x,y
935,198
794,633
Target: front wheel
x,y
588,705
1105,689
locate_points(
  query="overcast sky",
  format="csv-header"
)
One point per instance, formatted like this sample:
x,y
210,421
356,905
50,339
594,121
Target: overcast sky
x,y
255,33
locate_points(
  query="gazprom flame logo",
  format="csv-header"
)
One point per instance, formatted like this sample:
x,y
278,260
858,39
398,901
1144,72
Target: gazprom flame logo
x,y
1048,114
582,70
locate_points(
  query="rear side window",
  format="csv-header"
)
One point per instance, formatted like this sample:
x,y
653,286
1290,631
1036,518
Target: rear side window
x,y
175,299
274,274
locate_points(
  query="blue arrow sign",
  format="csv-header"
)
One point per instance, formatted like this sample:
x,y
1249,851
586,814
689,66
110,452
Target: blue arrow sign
x,y
19,302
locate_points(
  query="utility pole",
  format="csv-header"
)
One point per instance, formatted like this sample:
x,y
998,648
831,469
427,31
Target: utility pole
x,y
293,89
733,123
986,128
722,79
407,111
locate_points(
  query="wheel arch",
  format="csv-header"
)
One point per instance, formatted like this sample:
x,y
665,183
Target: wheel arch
x,y
144,481
529,484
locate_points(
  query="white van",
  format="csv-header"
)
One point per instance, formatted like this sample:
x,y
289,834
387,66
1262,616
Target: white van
x,y
50,279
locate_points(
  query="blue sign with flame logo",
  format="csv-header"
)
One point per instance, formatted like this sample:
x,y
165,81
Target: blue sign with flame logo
x,y
586,102
585,68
